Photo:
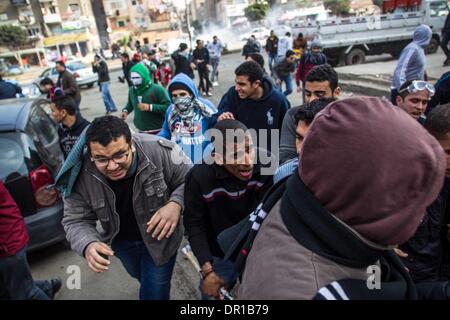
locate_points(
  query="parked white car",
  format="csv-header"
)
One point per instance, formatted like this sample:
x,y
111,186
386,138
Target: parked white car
x,y
260,33
81,72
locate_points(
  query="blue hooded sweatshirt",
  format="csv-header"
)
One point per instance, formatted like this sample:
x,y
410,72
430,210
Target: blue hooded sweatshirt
x,y
411,64
266,113
190,137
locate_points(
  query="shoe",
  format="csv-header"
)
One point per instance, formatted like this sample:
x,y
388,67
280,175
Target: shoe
x,y
204,93
112,111
209,94
56,285
215,84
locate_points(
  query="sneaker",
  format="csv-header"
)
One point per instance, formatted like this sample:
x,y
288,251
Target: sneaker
x,y
215,84
204,93
56,284
209,94
112,111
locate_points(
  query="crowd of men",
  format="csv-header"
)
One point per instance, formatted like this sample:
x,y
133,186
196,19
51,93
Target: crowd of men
x,y
289,202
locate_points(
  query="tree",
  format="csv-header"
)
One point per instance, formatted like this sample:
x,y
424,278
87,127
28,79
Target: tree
x,y
257,11
13,36
338,7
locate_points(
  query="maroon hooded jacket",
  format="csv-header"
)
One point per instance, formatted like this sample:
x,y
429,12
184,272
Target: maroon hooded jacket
x,y
13,233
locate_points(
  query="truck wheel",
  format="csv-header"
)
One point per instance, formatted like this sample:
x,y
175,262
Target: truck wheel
x,y
433,46
356,56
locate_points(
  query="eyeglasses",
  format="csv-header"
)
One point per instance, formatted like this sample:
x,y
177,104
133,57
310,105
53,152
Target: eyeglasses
x,y
419,85
117,159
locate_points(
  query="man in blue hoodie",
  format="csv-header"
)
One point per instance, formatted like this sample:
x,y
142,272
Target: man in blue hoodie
x,y
187,118
255,102
411,64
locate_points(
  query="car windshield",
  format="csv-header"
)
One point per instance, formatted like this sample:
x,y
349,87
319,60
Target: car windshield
x,y
76,66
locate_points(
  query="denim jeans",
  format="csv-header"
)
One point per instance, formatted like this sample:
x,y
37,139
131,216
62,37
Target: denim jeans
x,y
272,57
107,99
16,281
154,280
225,270
288,81
215,69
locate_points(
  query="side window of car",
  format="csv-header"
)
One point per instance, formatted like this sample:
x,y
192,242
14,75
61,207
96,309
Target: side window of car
x,y
42,126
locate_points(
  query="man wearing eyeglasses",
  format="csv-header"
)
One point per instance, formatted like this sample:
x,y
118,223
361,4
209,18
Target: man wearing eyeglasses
x,y
413,97
133,185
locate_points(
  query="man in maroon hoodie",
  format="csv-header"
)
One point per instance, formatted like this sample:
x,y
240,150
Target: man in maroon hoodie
x,y
16,282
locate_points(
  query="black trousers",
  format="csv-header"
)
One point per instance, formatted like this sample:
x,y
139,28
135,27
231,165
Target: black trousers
x,y
203,76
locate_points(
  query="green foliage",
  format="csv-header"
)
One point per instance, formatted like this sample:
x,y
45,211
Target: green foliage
x,y
338,7
257,11
13,36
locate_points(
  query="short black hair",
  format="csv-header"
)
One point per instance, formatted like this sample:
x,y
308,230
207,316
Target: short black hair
x,y
323,72
438,121
251,69
45,81
404,85
288,34
258,58
125,55
61,63
183,46
289,53
222,127
106,129
66,103
308,111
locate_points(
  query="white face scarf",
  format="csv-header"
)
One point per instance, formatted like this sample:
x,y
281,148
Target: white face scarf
x,y
136,79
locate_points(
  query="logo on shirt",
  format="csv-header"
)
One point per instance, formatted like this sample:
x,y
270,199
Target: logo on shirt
x,y
269,117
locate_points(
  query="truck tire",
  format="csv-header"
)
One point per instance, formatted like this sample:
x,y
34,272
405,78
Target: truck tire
x,y
433,46
355,56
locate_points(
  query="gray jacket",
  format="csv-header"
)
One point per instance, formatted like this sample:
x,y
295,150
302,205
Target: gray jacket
x,y
288,150
158,180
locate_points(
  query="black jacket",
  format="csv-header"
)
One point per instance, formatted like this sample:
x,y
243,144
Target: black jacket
x,y
442,95
69,85
428,248
446,28
8,90
69,136
272,45
284,69
126,71
251,47
201,54
182,64
216,200
102,70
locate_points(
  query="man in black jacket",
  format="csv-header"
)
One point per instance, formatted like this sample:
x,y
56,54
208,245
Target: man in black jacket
x,y
68,83
272,48
201,60
71,123
425,252
183,61
284,70
126,66
99,66
219,196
